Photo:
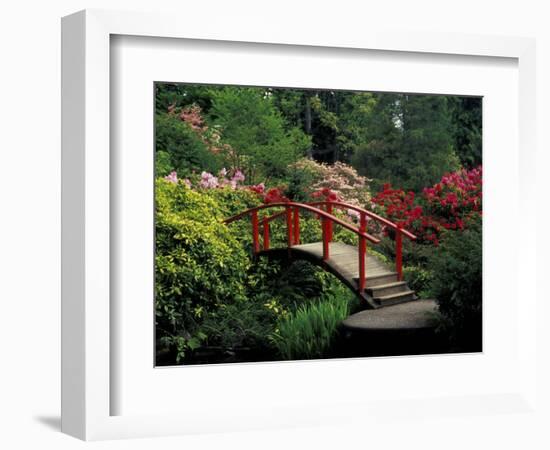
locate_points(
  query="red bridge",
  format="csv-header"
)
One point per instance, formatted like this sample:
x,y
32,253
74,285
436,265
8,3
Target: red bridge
x,y
375,283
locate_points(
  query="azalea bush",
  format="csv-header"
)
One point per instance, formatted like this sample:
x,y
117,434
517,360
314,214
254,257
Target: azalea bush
x,y
447,205
308,176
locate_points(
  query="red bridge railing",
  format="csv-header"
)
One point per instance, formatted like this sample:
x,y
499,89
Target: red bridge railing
x,y
323,210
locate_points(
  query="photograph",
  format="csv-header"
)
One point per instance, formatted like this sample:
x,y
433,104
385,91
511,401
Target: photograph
x,y
303,224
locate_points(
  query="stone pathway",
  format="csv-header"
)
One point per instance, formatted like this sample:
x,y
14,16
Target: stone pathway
x,y
404,316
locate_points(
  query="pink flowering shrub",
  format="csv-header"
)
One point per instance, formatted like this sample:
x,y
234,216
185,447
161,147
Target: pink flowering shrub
x,y
210,136
172,177
210,181
341,179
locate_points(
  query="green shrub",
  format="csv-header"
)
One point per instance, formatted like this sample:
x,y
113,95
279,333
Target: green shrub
x,y
293,284
309,331
263,143
242,324
456,269
200,265
233,201
418,279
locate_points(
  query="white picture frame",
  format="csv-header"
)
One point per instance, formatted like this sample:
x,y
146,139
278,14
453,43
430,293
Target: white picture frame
x,y
87,386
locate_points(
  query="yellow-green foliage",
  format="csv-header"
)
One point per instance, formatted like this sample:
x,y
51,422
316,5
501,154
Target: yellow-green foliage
x,y
200,264
230,202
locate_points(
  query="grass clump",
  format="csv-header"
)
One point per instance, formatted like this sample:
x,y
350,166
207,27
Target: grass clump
x,y
309,331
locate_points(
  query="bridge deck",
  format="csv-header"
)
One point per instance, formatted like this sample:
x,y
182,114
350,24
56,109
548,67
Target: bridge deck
x,y
345,259
382,285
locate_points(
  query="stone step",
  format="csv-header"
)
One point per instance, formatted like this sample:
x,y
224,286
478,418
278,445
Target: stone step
x,y
383,290
393,299
380,279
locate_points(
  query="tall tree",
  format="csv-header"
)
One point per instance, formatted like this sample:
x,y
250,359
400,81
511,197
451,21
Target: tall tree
x,y
467,122
256,130
408,141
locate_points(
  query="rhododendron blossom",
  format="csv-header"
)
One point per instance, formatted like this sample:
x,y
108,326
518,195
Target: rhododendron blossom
x,y
208,180
340,178
238,176
258,188
275,195
172,177
210,136
445,205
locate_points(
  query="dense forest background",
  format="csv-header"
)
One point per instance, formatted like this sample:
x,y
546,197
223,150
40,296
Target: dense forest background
x,y
408,140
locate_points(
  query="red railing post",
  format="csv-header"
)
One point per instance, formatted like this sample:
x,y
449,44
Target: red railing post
x,y
296,226
255,232
329,223
362,254
289,226
265,223
399,252
325,230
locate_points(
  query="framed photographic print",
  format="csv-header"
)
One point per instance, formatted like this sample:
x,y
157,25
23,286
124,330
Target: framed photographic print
x,y
254,226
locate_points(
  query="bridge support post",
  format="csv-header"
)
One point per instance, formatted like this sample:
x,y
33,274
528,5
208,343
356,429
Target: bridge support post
x,y
325,231
255,232
362,254
265,223
399,253
289,235
296,227
329,223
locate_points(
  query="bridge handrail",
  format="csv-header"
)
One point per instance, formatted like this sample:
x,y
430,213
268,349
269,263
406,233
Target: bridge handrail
x,y
292,214
306,207
343,205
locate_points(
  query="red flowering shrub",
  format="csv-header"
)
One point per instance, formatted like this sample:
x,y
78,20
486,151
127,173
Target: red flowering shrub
x,y
446,205
326,194
274,195
456,197
257,188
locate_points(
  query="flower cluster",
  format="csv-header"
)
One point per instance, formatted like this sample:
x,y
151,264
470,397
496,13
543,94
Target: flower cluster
x,y
326,194
172,177
457,193
257,188
446,205
209,181
340,178
211,136
274,195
